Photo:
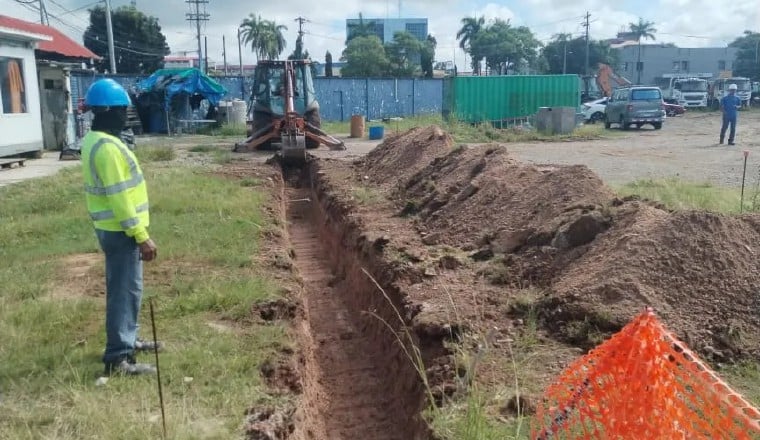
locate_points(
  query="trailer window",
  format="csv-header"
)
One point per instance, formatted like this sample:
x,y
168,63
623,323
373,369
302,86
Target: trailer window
x,y
12,85
646,95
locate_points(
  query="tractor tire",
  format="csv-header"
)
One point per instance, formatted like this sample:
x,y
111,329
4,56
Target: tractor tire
x,y
313,118
260,120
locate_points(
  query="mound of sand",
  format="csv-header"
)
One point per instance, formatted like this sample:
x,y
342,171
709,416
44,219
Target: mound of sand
x,y
700,271
479,196
400,156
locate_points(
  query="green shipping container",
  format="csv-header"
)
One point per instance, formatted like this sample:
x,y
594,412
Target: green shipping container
x,y
502,98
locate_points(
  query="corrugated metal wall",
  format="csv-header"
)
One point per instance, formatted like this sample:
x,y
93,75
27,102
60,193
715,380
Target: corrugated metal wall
x,y
339,98
501,98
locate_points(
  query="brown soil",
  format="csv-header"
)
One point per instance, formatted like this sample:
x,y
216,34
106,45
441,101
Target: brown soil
x,y
471,246
347,354
698,270
80,275
473,197
400,156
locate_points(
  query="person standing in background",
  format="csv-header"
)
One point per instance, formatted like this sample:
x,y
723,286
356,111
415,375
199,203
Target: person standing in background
x,y
729,106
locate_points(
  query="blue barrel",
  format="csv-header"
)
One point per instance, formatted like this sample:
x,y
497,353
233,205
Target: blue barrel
x,y
376,132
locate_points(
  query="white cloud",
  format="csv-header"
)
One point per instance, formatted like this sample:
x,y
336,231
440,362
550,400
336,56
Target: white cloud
x,y
675,20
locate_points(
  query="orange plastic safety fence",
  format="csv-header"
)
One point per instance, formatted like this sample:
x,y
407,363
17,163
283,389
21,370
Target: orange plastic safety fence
x,y
643,384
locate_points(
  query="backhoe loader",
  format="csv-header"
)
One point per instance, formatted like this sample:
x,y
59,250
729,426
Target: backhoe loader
x,y
286,111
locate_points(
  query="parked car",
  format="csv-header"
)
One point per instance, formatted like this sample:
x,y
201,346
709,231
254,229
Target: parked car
x,y
674,109
635,106
593,111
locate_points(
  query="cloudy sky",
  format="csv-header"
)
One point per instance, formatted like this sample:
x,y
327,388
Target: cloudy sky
x,y
688,23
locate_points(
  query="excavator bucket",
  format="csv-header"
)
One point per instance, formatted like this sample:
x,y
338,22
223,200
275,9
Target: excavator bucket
x,y
294,148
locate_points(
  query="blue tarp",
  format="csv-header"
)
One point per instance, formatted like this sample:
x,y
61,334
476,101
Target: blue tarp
x,y
190,81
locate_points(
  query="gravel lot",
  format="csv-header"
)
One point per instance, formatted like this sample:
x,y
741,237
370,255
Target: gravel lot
x,y
686,147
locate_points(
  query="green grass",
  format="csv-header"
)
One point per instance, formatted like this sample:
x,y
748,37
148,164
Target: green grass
x,y
677,194
204,284
202,149
155,153
234,130
471,418
476,133
365,195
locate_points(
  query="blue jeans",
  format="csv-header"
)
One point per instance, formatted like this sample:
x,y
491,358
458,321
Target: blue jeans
x,y
124,286
726,122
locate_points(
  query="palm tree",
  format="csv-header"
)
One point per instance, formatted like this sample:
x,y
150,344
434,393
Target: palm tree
x,y
642,29
272,40
470,27
251,33
265,37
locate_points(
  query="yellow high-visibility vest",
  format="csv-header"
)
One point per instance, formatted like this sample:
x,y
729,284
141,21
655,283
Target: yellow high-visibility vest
x,y
115,190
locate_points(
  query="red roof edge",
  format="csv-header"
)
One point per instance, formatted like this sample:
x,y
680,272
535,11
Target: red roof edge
x,y
60,43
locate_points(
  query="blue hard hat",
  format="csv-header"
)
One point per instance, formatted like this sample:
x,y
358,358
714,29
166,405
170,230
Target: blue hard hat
x,y
106,93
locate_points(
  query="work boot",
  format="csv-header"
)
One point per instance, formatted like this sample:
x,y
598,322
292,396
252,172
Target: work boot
x,y
129,367
148,346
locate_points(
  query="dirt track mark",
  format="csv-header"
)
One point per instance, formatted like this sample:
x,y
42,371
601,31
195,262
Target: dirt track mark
x,y
343,386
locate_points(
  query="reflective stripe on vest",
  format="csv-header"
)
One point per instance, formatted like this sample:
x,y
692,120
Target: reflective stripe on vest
x,y
109,214
99,189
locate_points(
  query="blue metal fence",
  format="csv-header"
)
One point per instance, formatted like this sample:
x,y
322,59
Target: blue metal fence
x,y
339,98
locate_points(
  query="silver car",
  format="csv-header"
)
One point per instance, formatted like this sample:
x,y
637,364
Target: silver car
x,y
635,106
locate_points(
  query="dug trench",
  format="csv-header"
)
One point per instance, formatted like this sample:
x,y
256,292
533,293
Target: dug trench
x,y
357,379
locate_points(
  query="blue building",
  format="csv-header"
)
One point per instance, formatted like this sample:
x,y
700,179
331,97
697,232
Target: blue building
x,y
385,28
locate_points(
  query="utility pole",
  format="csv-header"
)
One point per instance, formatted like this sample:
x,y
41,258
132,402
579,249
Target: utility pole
x,y
300,21
109,29
587,25
224,54
42,12
198,17
564,60
240,53
205,53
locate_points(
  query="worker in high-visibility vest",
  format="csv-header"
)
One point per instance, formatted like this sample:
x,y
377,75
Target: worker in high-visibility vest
x,y
117,200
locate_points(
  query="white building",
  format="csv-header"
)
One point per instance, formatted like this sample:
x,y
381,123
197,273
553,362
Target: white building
x,y
20,117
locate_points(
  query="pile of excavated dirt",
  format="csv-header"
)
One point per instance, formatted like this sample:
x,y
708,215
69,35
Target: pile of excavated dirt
x,y
699,271
400,156
479,197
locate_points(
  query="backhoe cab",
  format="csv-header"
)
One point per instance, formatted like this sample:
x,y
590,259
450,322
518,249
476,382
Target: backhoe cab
x,y
286,111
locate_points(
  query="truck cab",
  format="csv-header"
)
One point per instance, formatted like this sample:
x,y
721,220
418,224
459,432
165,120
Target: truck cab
x,y
720,89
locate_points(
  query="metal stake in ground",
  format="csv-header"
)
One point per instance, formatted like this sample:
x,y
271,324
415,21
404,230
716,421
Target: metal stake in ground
x,y
744,176
158,370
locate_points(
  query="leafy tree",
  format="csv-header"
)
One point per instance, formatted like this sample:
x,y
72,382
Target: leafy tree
x,y
428,56
264,36
642,29
362,29
747,61
328,64
365,56
471,26
139,44
504,47
575,49
404,54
